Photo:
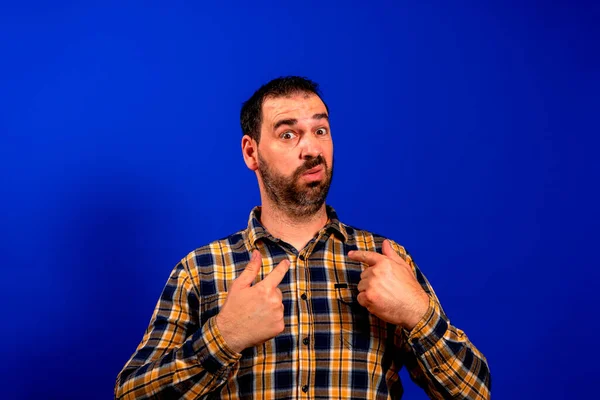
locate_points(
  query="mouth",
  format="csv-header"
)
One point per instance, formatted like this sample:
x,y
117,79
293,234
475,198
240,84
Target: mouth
x,y
314,171
314,174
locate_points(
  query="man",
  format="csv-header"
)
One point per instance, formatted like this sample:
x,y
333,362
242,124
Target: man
x,y
298,305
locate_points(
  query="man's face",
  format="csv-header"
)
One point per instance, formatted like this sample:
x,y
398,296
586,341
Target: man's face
x,y
295,153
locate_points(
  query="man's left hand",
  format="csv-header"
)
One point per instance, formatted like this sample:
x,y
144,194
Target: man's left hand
x,y
389,289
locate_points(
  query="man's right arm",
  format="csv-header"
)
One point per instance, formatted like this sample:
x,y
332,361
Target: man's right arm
x,y
177,358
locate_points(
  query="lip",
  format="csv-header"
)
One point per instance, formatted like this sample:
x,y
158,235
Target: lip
x,y
314,170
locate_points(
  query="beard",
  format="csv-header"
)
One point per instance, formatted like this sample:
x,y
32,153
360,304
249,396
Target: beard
x,y
293,196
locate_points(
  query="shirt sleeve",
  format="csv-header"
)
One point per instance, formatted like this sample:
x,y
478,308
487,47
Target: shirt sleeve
x,y
440,357
177,358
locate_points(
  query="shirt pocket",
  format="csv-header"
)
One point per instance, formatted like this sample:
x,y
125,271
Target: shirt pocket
x,y
355,320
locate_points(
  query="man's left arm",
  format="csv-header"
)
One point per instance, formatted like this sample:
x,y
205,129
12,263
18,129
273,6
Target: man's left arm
x,y
447,365
445,354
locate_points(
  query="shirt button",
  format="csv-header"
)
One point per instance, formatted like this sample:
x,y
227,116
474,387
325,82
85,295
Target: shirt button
x,y
301,257
305,388
303,297
305,341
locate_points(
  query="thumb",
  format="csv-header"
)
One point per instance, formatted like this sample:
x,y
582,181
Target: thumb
x,y
249,273
389,251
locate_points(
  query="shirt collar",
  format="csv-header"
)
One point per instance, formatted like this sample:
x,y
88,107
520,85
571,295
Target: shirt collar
x,y
257,231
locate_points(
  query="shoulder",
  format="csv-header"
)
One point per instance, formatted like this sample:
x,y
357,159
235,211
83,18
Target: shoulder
x,y
369,241
210,266
361,239
218,252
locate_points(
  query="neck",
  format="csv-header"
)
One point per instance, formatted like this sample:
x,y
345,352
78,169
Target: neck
x,y
295,231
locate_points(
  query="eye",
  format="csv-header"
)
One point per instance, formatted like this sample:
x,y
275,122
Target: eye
x,y
321,132
287,135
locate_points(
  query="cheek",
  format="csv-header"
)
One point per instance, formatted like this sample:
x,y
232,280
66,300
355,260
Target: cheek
x,y
328,154
278,160
286,166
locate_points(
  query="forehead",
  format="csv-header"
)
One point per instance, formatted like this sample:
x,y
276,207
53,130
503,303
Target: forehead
x,y
299,106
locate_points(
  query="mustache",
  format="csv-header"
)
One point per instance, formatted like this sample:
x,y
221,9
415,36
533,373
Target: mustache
x,y
310,164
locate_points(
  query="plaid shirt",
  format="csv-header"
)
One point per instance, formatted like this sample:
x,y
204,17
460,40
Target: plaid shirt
x,y
331,347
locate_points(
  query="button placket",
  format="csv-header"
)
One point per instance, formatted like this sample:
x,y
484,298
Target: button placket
x,y
303,358
307,362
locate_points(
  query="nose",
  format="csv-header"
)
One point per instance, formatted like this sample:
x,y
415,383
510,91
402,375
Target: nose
x,y
310,147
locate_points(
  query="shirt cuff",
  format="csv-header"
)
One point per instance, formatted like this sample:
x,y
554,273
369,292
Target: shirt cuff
x,y
213,353
428,331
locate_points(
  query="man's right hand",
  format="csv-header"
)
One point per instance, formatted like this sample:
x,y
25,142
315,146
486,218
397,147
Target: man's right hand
x,y
252,315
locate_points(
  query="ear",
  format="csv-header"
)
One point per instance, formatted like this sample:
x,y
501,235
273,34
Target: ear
x,y
250,152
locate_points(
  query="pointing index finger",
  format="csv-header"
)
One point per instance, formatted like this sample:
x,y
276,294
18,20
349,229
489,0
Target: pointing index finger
x,y
368,257
276,276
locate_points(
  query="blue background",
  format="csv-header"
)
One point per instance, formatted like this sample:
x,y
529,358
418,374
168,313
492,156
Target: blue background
x,y
466,132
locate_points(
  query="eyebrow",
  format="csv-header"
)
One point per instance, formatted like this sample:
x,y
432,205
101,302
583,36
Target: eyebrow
x,y
294,121
321,116
290,121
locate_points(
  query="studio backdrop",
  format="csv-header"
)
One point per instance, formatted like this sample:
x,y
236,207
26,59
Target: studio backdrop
x,y
466,132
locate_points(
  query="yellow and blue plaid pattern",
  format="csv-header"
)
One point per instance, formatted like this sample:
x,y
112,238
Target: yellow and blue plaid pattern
x,y
331,347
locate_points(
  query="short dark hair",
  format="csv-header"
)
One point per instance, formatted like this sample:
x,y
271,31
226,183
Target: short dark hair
x,y
251,114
